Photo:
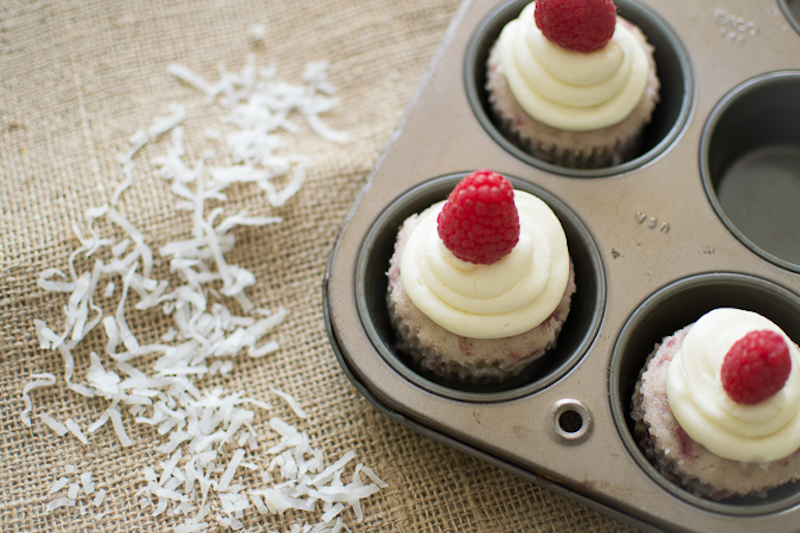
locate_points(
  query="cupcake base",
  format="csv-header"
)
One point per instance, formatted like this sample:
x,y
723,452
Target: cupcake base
x,y
466,359
592,149
678,456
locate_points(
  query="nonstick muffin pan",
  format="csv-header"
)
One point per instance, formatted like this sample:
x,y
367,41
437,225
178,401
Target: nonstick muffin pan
x,y
704,216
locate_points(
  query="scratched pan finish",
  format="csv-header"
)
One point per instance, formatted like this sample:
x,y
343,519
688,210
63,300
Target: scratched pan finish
x,y
660,238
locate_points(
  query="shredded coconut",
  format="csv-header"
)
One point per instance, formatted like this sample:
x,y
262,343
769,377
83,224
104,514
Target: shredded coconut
x,y
40,380
292,403
207,441
98,499
75,429
58,502
257,32
58,485
59,428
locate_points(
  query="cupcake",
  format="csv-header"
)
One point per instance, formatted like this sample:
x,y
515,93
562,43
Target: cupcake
x,y
573,86
716,407
480,285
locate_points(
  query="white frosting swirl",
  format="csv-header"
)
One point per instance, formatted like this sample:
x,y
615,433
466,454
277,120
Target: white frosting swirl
x,y
570,90
760,433
508,297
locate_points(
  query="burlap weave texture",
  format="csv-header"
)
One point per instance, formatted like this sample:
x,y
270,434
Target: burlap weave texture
x,y
77,79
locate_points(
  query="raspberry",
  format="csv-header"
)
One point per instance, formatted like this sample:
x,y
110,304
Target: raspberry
x,y
581,25
479,222
756,367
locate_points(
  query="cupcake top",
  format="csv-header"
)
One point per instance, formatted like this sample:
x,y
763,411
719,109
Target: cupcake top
x,y
734,387
570,89
512,294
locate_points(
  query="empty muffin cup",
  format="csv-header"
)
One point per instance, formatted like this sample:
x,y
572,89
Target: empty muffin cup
x,y
750,165
577,334
669,310
672,67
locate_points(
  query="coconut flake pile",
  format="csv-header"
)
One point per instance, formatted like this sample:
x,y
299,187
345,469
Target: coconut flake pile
x,y
78,492
208,454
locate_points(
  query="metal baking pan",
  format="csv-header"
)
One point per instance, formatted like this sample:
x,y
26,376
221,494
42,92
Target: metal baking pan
x,y
701,217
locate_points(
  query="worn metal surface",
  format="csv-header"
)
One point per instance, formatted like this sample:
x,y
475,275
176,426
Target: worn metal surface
x,y
653,225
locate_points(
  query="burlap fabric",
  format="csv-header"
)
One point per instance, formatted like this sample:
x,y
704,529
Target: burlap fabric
x,y
76,80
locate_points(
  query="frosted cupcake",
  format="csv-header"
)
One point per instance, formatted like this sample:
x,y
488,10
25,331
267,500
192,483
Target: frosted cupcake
x,y
717,406
480,285
573,87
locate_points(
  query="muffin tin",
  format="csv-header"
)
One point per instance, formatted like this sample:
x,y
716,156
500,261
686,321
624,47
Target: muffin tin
x,y
701,218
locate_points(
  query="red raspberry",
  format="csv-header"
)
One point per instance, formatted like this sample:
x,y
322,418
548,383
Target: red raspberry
x,y
581,25
479,222
756,367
